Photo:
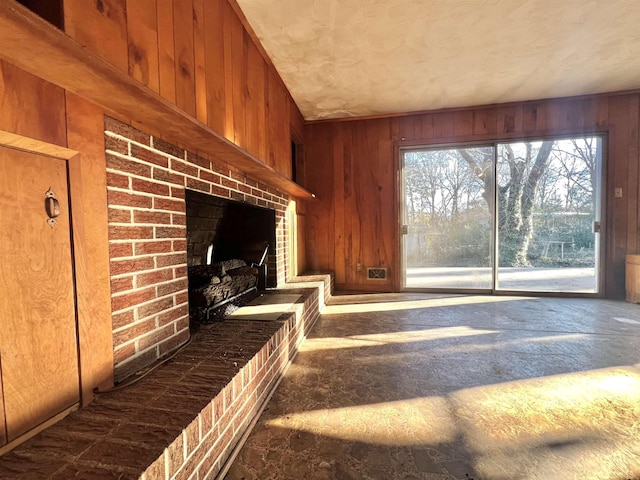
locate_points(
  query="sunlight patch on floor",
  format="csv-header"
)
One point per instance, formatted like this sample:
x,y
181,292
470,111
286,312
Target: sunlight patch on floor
x,y
416,304
376,339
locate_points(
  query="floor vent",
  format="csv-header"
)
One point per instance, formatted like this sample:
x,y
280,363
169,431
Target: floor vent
x,y
376,273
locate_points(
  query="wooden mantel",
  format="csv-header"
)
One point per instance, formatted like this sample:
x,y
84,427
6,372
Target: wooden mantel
x,y
32,44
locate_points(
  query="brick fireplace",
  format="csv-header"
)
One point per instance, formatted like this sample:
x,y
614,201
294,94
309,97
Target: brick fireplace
x,y
146,182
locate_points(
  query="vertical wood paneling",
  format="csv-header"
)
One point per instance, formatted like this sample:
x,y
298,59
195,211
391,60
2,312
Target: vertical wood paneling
x,y
632,175
215,65
184,56
101,26
237,76
166,50
618,207
90,230
200,60
277,126
363,206
255,99
142,31
31,107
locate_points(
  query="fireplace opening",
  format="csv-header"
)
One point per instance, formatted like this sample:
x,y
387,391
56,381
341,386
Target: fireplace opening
x,y
230,254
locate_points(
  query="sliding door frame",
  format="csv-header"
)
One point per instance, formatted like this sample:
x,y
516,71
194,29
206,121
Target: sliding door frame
x,y
599,199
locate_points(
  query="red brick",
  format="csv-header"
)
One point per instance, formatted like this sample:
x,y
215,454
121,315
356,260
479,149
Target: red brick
x,y
121,284
250,181
132,299
116,126
182,298
116,145
172,287
155,218
117,180
133,332
120,250
179,245
192,436
198,160
237,196
240,177
175,456
119,232
171,232
220,191
121,354
146,186
142,248
209,177
182,323
229,183
149,156
117,215
155,307
175,259
177,192
166,147
180,272
178,219
206,421
174,342
251,200
166,176
169,204
155,337
172,315
183,167
244,188
124,165
120,267
151,278
262,203
119,320
128,199
198,185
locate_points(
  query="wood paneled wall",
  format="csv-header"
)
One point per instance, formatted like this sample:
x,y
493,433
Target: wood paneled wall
x,y
352,166
198,55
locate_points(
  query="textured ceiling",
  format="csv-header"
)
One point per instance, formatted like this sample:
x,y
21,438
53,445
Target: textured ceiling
x,y
342,58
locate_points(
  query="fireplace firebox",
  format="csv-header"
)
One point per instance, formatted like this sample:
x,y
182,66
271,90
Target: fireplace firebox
x,y
230,251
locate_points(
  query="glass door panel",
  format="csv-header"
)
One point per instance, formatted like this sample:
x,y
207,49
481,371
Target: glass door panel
x,y
447,218
547,207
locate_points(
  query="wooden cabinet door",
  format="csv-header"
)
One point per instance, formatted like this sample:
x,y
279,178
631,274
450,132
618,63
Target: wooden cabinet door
x,y
38,346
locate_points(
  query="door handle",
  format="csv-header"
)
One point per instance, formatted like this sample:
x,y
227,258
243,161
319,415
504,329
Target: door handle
x,y
596,227
51,206
404,229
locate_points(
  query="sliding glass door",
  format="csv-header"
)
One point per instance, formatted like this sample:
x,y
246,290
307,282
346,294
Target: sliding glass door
x,y
511,216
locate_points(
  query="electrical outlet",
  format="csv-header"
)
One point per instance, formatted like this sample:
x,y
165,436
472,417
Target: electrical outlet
x,y
618,192
358,267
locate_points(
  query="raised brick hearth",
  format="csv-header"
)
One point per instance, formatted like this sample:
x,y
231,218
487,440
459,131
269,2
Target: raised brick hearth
x,y
185,418
146,179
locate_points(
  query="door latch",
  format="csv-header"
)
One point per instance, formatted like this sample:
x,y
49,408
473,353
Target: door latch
x,y
596,227
51,206
404,229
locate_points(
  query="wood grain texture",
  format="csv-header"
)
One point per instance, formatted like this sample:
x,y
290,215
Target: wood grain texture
x,y
142,35
3,421
166,50
200,60
214,67
31,44
23,94
38,334
353,168
88,186
184,56
101,26
255,106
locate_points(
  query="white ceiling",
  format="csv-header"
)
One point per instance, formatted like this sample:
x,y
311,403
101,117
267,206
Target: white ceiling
x,y
342,58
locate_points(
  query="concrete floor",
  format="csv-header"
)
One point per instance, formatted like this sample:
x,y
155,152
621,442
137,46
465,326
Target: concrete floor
x,y
408,386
